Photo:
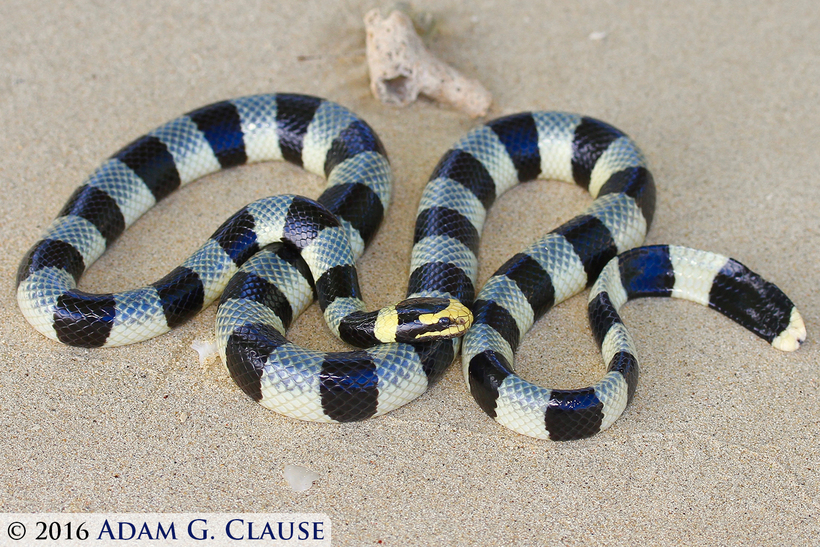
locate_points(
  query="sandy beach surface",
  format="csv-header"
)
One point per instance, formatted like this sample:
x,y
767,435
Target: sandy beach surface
x,y
719,446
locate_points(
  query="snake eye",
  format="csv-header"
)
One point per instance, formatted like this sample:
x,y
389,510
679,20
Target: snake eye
x,y
444,321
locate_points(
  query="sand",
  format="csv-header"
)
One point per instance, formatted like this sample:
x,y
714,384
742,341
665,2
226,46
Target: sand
x,y
720,443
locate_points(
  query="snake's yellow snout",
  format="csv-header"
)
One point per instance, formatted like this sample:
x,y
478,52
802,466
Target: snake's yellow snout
x,y
424,319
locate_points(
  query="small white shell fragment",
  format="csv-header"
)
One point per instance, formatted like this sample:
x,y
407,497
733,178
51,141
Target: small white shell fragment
x,y
299,478
401,68
205,349
597,35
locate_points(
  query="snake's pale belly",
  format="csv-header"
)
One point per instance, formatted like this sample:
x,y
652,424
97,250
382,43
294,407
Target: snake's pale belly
x,y
271,259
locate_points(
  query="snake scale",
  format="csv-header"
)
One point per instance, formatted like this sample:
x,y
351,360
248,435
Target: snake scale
x,y
270,260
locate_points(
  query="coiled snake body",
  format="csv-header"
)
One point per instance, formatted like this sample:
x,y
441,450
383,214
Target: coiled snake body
x,y
277,254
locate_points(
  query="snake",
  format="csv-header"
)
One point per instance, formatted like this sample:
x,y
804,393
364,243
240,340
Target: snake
x,y
269,261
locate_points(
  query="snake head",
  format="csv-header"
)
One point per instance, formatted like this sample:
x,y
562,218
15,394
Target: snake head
x,y
425,319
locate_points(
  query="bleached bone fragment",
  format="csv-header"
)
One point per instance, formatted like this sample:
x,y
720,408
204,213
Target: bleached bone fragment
x,y
205,349
401,68
299,478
